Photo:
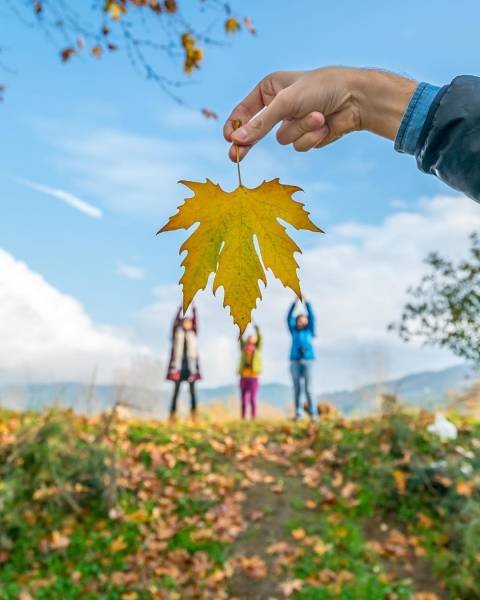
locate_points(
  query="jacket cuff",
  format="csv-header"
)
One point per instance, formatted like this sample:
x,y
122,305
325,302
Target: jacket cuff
x,y
414,118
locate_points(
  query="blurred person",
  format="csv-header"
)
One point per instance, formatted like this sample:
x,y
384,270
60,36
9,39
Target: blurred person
x,y
302,355
249,370
439,126
184,361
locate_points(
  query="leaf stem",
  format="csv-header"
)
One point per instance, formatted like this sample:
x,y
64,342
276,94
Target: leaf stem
x,y
236,123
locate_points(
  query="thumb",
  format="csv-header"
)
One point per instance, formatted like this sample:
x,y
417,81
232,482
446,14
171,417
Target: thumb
x,y
278,110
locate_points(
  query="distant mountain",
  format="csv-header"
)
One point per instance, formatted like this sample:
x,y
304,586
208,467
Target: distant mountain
x,y
427,389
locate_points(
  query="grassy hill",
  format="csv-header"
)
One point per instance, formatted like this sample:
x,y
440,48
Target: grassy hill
x,y
369,509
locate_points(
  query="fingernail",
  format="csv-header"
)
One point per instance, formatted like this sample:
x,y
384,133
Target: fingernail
x,y
241,134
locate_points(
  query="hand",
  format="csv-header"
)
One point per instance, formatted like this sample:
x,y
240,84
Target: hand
x,y
320,106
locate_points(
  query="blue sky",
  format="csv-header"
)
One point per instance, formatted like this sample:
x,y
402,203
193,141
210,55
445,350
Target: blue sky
x,y
98,130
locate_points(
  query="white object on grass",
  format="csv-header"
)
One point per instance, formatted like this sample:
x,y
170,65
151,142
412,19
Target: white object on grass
x,y
444,428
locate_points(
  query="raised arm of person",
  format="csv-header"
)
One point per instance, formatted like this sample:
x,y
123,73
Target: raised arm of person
x,y
176,321
440,127
290,318
194,319
259,337
311,317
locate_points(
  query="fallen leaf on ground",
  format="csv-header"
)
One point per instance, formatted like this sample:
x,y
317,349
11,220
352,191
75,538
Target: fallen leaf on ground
x,y
253,566
400,479
289,587
320,548
424,520
117,545
257,515
277,548
298,534
464,488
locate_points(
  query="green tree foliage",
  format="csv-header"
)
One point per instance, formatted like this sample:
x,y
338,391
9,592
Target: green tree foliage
x,y
444,308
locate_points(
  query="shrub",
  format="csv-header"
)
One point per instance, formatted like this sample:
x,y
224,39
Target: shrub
x,y
52,467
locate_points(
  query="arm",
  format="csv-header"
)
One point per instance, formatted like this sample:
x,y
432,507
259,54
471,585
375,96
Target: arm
x,y
311,318
176,322
315,108
259,337
290,318
318,107
194,320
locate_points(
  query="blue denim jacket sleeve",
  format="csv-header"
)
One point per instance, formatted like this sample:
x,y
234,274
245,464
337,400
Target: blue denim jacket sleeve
x,y
414,118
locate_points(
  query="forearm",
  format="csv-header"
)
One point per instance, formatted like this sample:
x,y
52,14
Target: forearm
x,y
290,321
381,99
311,317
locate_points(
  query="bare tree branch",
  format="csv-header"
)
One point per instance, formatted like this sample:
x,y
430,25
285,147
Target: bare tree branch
x,y
142,29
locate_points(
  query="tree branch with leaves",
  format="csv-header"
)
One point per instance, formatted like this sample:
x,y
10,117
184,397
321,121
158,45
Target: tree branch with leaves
x,y
444,309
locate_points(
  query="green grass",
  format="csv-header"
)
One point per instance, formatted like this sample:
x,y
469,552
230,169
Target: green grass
x,y
175,526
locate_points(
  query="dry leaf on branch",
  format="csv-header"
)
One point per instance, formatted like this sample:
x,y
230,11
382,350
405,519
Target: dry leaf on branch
x,y
193,54
224,241
114,9
232,25
249,25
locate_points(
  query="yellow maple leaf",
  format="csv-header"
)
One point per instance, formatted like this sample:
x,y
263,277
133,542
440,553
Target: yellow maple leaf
x,y
224,241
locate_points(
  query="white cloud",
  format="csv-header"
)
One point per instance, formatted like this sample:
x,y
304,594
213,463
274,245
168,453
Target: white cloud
x,y
130,271
47,336
67,197
356,278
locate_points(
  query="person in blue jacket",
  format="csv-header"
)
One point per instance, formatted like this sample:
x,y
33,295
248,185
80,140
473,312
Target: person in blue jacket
x,y
302,355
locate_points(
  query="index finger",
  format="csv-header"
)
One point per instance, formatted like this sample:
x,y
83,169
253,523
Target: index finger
x,y
246,110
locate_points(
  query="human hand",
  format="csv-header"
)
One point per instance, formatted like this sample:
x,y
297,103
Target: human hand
x,y
320,106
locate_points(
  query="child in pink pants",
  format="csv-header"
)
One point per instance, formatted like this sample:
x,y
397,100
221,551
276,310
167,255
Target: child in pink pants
x,y
250,369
